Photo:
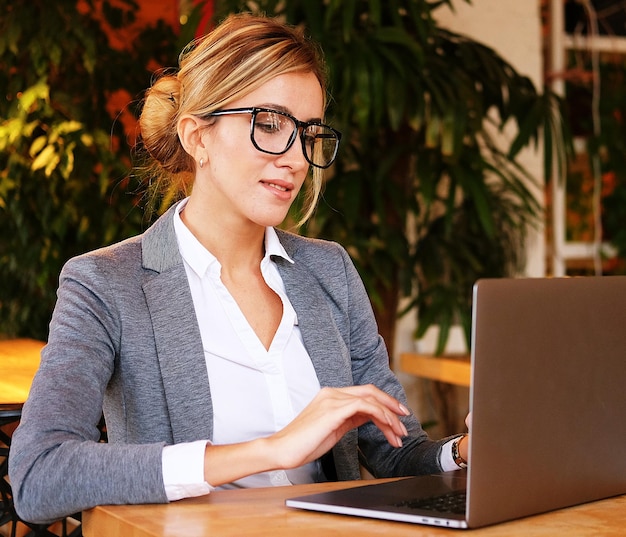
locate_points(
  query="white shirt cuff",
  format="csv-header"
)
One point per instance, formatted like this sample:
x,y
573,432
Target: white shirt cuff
x,y
446,460
183,470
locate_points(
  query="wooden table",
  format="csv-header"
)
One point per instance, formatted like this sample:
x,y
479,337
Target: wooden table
x,y
19,361
450,369
261,512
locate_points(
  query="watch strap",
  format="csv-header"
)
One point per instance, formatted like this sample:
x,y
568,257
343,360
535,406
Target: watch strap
x,y
456,455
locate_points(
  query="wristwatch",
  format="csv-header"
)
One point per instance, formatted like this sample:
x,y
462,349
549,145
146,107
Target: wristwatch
x,y
456,455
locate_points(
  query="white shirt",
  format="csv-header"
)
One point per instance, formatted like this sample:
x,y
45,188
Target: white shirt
x,y
255,392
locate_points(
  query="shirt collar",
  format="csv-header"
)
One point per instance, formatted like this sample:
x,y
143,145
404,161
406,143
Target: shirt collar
x,y
200,259
273,246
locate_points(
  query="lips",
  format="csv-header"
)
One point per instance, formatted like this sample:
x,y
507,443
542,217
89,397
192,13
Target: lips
x,y
277,187
281,189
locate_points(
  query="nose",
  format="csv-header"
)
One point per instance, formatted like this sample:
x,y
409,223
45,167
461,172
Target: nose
x,y
294,157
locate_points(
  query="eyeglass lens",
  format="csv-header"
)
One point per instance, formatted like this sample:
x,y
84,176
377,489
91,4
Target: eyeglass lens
x,y
274,132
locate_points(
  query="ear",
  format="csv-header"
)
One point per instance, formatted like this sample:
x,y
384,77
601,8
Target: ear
x,y
190,130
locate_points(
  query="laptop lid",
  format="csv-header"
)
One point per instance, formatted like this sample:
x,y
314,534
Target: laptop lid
x,y
548,395
548,399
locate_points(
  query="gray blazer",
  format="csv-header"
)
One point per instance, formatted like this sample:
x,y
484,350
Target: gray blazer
x,y
124,338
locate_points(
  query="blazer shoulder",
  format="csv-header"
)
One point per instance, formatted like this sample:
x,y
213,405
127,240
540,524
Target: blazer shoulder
x,y
309,248
115,254
155,249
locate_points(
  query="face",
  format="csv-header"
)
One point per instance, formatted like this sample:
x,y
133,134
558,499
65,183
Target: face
x,y
238,183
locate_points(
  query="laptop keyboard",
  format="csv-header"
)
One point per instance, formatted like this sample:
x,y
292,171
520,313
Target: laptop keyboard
x,y
451,502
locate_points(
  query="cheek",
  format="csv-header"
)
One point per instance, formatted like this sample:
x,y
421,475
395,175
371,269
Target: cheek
x,y
233,160
222,139
229,135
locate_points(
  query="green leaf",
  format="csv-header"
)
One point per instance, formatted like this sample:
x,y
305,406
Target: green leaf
x,y
37,145
44,158
433,132
39,91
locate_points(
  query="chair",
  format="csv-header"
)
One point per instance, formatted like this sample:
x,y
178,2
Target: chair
x,y
9,415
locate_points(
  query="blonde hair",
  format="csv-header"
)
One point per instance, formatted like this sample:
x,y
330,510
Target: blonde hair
x,y
237,57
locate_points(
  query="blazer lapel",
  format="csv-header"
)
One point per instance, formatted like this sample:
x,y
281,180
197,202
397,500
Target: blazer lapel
x,y
322,338
177,335
329,351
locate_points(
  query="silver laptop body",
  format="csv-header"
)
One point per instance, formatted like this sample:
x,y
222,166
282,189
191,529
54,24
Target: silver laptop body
x,y
548,404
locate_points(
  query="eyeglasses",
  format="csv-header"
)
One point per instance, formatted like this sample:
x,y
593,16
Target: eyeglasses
x,y
274,132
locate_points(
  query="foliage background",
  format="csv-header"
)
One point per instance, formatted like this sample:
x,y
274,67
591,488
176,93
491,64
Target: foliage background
x,y
65,186
609,145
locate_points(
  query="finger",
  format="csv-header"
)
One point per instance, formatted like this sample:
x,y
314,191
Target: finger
x,y
364,409
369,390
390,407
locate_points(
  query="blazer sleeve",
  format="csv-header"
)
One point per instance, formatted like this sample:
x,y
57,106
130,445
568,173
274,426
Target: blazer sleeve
x,y
57,464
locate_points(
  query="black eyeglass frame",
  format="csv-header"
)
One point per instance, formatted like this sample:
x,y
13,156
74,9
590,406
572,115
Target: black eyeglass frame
x,y
301,126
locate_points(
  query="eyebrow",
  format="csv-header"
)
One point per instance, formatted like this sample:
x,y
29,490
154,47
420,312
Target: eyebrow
x,y
281,108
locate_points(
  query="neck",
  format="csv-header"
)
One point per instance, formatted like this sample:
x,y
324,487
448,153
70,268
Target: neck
x,y
235,245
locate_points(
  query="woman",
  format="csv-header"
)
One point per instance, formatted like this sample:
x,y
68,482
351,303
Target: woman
x,y
224,352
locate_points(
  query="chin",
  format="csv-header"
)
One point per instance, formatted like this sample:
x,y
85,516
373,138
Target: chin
x,y
271,218
269,221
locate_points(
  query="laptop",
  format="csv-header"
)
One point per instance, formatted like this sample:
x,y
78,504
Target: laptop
x,y
548,404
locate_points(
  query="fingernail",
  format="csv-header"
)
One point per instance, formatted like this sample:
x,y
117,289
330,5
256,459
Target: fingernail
x,y
406,433
404,410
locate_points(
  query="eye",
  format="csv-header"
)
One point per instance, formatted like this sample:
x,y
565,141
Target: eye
x,y
269,122
310,138
315,134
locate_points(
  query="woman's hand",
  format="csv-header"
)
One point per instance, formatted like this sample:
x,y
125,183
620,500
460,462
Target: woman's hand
x,y
330,415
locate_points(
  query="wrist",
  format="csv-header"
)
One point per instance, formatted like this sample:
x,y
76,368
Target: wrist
x,y
228,463
459,451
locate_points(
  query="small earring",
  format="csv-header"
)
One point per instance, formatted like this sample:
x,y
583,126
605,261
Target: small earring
x,y
201,162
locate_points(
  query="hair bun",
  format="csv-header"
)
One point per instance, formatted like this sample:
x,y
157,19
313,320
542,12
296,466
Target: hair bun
x,y
158,125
